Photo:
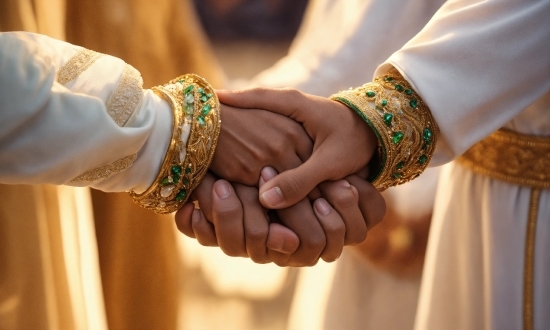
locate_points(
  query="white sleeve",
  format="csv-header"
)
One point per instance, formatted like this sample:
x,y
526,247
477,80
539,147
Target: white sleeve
x,y
477,65
53,133
340,43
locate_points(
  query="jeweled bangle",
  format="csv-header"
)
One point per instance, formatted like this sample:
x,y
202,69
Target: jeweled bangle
x,y
403,124
194,105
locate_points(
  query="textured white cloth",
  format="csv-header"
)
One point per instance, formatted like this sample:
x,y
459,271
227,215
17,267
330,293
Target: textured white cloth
x,y
482,65
479,65
50,133
339,45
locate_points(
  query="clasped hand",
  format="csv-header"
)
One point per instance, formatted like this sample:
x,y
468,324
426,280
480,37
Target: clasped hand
x,y
278,150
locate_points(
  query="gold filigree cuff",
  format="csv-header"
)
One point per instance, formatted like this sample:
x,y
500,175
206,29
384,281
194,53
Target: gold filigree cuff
x,y
194,104
403,124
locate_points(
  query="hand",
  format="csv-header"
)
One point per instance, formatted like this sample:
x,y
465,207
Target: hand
x,y
252,139
343,142
345,224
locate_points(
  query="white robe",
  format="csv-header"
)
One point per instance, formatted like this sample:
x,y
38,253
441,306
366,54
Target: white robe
x,y
479,65
482,65
50,133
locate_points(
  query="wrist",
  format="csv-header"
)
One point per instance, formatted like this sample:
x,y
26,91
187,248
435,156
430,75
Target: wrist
x,y
196,126
404,127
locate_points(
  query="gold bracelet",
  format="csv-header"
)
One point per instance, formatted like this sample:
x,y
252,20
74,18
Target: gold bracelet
x,y
194,104
402,122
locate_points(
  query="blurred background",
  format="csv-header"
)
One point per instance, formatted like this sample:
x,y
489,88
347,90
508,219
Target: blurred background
x,y
152,276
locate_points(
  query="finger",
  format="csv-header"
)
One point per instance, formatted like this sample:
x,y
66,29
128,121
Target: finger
x,y
301,219
183,219
291,186
227,216
345,198
203,229
335,230
371,202
269,173
281,239
256,223
203,194
284,101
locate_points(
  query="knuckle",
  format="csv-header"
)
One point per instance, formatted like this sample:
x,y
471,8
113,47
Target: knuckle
x,y
356,236
205,241
259,259
255,235
335,228
227,211
344,199
233,251
315,243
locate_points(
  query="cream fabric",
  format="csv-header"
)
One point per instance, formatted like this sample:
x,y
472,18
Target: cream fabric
x,y
339,45
479,65
38,113
72,118
482,65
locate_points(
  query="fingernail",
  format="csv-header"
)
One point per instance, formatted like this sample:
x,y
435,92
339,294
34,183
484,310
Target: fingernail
x,y
268,173
273,197
275,245
196,217
344,183
322,206
222,189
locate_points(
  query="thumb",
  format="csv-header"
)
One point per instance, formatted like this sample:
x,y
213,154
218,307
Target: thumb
x,y
290,187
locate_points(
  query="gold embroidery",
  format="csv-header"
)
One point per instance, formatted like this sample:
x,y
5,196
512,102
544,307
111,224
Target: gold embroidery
x,y
77,64
530,260
512,157
106,171
402,122
194,104
125,101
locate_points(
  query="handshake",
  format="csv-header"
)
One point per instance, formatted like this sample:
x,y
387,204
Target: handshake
x,y
287,183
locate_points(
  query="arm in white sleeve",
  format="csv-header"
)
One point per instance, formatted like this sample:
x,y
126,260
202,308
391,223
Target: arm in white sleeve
x,y
53,133
477,65
340,43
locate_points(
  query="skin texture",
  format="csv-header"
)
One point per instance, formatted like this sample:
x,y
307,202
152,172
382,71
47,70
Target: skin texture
x,y
343,143
299,232
228,222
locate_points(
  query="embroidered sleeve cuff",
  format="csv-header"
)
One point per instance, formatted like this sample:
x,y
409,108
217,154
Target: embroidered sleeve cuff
x,y
403,124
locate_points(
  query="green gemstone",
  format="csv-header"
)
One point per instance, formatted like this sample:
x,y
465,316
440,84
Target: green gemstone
x,y
400,165
397,175
413,103
201,91
188,89
189,109
388,79
399,88
188,170
422,159
166,181
388,117
427,135
206,109
201,120
186,182
181,81
408,92
204,98
384,102
176,170
397,137
181,195
370,93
